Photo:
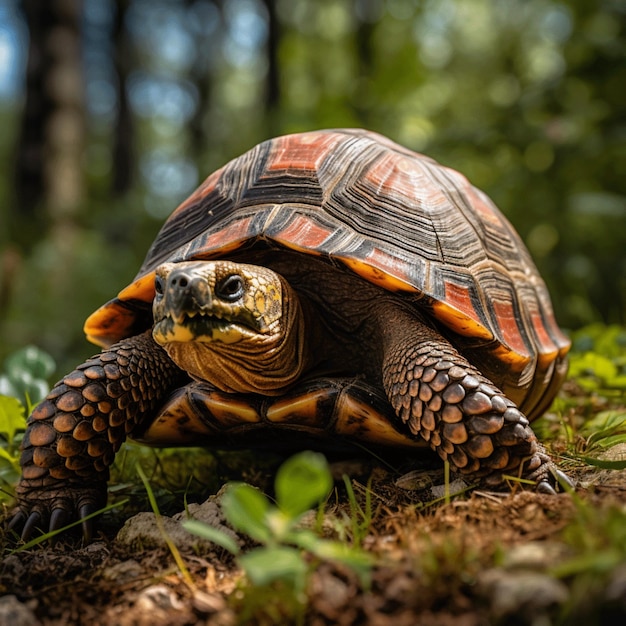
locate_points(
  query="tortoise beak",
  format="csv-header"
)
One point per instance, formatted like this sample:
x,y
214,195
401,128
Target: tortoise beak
x,y
186,294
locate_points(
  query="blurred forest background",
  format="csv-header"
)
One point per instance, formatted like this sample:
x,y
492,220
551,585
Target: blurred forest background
x,y
112,111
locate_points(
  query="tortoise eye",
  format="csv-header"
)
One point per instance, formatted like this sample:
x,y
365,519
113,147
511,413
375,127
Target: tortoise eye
x,y
230,288
159,285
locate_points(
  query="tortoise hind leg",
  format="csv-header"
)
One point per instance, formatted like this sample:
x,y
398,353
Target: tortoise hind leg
x,y
72,436
442,397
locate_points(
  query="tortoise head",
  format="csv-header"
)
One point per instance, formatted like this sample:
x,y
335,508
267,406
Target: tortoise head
x,y
234,325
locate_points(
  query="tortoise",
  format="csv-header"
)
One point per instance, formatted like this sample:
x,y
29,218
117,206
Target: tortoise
x,y
323,288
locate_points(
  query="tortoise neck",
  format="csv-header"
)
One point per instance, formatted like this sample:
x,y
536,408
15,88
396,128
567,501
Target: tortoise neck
x,y
266,363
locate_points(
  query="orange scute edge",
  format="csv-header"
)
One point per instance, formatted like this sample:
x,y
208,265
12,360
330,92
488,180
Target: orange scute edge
x,y
111,322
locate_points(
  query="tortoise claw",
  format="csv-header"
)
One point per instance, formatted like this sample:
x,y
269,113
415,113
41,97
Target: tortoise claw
x,y
545,487
87,524
564,479
33,521
17,521
548,478
58,519
46,509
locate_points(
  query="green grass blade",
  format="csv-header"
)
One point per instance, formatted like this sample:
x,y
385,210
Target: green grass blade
x,y
602,463
159,522
214,535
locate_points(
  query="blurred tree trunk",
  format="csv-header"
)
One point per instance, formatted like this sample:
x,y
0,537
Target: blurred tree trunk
x,y
272,89
49,180
29,161
123,138
366,12
200,134
202,77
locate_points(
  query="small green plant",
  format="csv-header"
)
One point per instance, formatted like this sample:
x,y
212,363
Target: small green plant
x,y
598,360
288,550
359,521
25,376
606,430
596,541
598,369
597,538
23,382
12,422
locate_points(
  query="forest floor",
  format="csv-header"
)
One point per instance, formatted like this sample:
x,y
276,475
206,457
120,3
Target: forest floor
x,y
515,557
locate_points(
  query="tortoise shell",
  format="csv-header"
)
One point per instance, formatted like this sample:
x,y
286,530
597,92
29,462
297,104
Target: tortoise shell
x,y
394,217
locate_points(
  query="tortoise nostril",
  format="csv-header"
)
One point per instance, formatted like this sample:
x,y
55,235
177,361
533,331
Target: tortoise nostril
x,y
179,281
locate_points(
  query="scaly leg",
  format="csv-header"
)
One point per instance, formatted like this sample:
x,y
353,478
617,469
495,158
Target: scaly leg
x,y
72,436
465,418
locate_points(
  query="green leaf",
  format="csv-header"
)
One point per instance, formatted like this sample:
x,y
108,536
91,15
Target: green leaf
x,y
7,388
11,417
603,463
23,385
606,419
37,363
606,429
246,508
302,481
266,565
618,382
597,562
215,535
591,364
13,461
26,374
356,559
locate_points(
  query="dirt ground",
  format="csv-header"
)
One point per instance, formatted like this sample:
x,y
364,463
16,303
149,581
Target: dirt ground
x,y
484,558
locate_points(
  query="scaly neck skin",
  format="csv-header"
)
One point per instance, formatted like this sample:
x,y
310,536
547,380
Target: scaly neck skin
x,y
266,364
345,317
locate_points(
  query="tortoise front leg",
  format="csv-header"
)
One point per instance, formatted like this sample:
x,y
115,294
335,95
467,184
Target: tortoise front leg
x,y
465,418
72,436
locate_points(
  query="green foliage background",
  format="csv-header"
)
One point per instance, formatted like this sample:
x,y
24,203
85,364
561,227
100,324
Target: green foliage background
x,y
526,97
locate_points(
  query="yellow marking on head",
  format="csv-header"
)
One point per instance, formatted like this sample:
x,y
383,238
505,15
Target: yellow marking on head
x,y
227,323
178,333
259,302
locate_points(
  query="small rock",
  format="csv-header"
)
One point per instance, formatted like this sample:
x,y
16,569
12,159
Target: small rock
x,y
522,595
158,597
141,531
16,613
456,486
208,602
13,567
309,521
96,549
615,592
334,591
123,572
614,453
535,555
210,513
